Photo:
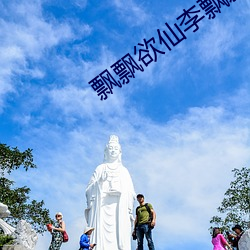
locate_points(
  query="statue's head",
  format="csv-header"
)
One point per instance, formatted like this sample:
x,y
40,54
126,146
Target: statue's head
x,y
113,150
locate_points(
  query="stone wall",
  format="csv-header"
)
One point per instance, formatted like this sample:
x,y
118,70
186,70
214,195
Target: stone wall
x,y
13,247
244,242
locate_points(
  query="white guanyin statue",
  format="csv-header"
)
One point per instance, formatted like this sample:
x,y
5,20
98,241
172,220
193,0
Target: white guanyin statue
x,y
110,198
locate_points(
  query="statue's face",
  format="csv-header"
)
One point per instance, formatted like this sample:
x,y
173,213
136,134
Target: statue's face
x,y
113,150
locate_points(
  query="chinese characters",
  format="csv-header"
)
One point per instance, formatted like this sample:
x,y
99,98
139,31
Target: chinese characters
x,y
150,49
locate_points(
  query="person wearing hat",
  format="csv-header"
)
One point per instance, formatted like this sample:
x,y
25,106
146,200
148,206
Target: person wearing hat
x,y
56,231
239,231
84,240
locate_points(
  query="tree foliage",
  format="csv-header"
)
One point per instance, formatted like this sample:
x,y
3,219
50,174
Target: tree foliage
x,y
12,159
235,206
17,199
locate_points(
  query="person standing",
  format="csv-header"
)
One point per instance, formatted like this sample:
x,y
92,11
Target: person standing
x,y
218,240
239,231
143,225
85,239
56,231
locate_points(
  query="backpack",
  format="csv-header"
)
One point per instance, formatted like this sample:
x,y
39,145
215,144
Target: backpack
x,y
149,212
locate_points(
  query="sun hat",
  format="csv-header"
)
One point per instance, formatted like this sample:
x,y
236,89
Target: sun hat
x,y
59,213
87,229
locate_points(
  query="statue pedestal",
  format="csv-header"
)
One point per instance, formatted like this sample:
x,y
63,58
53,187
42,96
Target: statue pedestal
x,y
13,247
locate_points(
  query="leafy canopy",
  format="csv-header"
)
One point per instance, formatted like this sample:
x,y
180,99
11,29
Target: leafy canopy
x,y
17,199
12,159
235,206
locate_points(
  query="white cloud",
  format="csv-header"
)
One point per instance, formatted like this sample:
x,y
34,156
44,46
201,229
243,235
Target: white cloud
x,y
218,41
32,33
80,3
26,35
131,12
77,98
84,102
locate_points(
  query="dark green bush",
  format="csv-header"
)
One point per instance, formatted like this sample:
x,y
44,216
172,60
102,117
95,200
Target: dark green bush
x,y
6,240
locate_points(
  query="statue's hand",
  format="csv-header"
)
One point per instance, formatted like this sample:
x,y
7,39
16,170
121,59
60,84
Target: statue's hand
x,y
104,176
90,202
132,217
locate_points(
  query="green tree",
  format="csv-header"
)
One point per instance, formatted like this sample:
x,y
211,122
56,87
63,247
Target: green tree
x,y
235,207
17,199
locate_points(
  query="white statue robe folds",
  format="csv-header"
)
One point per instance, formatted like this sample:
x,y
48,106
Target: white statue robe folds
x,y
110,197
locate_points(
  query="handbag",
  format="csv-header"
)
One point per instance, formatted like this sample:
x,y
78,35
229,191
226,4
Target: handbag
x,y
49,227
65,236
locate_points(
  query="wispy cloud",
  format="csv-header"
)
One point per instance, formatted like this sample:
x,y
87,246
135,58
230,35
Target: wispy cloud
x,y
27,36
218,42
131,12
80,3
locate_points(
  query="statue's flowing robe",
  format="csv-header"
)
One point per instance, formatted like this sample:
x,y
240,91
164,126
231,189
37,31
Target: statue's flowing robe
x,y
110,197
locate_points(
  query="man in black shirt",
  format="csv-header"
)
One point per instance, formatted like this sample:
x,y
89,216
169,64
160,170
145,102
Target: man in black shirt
x,y
239,231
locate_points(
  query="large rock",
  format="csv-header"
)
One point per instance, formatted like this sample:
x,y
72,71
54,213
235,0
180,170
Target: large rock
x,y
244,242
4,212
25,236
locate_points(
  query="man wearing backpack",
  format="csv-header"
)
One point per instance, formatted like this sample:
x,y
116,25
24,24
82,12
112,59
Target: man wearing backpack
x,y
144,223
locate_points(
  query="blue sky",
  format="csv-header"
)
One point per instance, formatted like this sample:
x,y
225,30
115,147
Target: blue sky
x,y
183,122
